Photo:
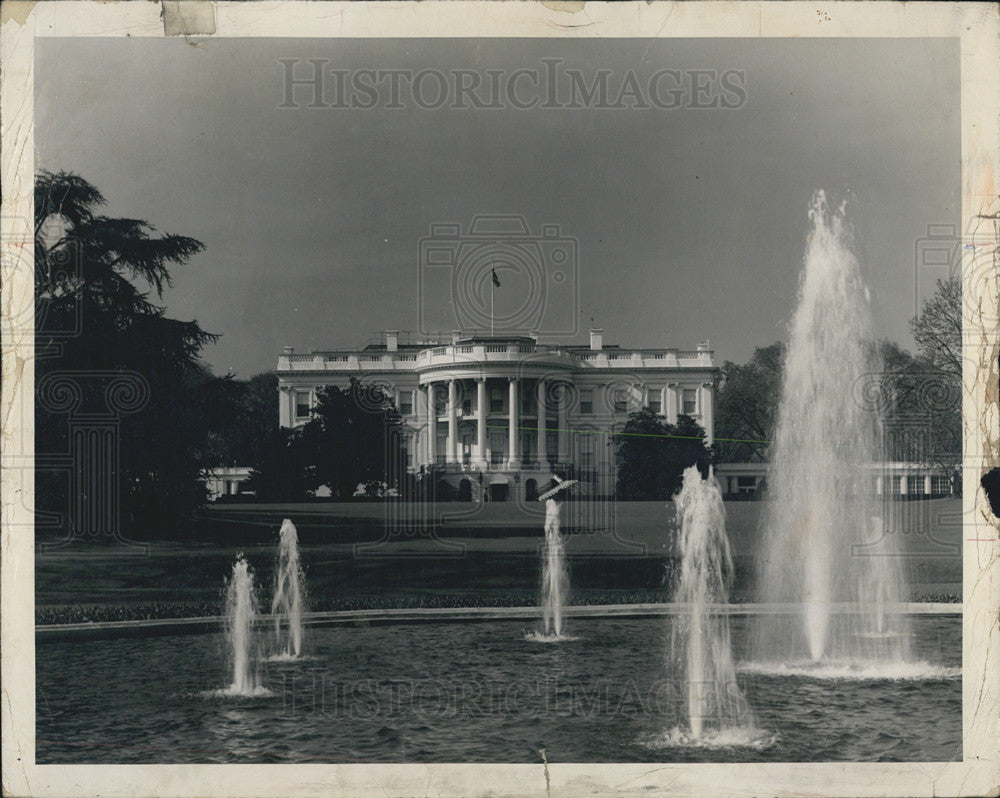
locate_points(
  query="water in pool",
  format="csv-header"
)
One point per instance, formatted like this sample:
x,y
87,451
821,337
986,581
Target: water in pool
x,y
481,692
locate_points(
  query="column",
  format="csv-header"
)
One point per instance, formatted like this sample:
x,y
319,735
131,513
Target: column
x,y
672,407
878,485
902,485
431,425
452,422
562,435
542,424
285,409
422,414
707,420
927,484
481,422
512,461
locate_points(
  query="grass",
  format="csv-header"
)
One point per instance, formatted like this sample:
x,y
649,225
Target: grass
x,y
624,561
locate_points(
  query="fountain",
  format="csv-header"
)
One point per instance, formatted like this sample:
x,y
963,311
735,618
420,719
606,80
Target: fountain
x,y
241,615
555,579
700,645
828,547
286,607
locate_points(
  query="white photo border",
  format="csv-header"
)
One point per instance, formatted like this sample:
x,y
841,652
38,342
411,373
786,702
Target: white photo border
x,y
976,25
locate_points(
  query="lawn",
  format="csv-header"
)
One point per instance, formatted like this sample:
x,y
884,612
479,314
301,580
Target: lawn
x,y
369,555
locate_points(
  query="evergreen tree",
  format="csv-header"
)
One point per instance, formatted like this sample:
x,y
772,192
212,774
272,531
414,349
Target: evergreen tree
x,y
97,327
653,454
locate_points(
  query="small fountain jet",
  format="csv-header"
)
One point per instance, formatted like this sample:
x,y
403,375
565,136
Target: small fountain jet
x,y
555,580
286,606
241,616
700,642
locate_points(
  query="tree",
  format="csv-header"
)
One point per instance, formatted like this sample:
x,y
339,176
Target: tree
x,y
747,398
90,268
938,329
353,436
652,455
933,386
281,472
242,417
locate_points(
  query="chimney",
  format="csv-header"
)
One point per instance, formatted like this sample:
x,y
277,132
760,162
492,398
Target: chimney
x,y
534,335
287,350
455,335
597,340
391,340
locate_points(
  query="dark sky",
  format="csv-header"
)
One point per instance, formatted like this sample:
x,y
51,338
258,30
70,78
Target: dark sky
x,y
690,222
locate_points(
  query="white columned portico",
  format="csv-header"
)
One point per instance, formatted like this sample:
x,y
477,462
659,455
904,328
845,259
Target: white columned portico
x,y
542,424
512,390
452,421
481,422
562,433
431,425
673,402
707,415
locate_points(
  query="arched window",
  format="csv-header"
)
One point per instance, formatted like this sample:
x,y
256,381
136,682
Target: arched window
x,y
530,490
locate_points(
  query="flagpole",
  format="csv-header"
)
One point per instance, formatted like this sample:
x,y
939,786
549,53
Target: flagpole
x,y
493,291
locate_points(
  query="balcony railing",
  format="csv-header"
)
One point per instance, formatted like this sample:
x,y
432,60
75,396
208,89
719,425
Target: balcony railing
x,y
343,360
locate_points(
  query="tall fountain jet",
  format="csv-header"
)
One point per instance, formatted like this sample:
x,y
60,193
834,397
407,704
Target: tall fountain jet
x,y
828,544
241,615
700,644
286,606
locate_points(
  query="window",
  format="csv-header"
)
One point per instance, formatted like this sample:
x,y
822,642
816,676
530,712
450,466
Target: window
x,y
890,484
914,484
940,483
466,407
586,459
406,402
497,443
654,402
690,398
527,404
620,405
440,402
496,399
302,408
587,400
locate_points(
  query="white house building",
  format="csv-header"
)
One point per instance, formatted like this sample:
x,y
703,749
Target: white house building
x,y
498,414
